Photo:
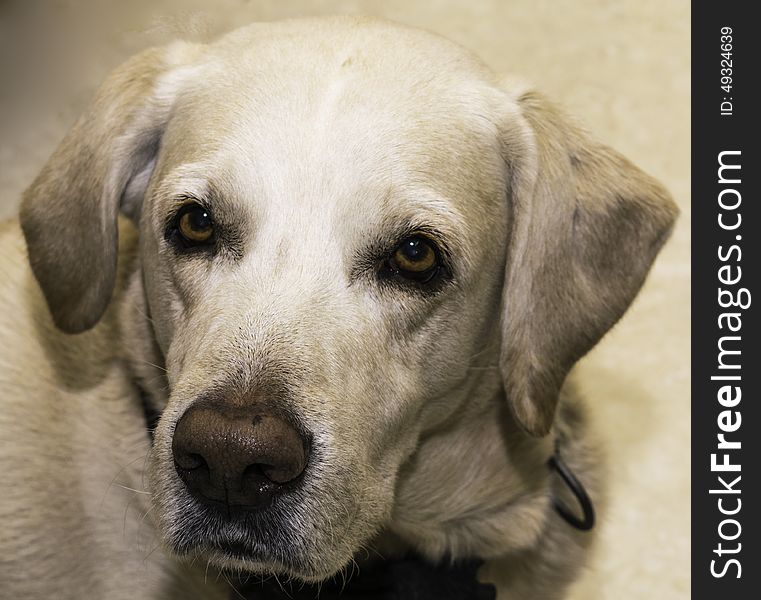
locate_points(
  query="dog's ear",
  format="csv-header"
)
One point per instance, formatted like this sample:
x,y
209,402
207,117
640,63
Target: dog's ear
x,y
585,227
69,213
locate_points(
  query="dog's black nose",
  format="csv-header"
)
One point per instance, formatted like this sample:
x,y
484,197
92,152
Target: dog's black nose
x,y
238,456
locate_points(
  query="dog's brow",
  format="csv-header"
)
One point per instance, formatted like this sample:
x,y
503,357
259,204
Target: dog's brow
x,y
388,237
381,240
183,180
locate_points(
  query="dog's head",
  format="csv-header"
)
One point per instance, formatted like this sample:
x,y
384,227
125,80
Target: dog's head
x,y
349,231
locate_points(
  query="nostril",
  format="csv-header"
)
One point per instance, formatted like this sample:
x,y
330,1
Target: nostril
x,y
190,461
256,471
282,473
271,473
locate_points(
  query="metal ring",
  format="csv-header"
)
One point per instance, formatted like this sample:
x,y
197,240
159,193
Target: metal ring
x,y
587,522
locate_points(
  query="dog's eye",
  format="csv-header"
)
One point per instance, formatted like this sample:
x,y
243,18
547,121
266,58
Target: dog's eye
x,y
195,224
416,258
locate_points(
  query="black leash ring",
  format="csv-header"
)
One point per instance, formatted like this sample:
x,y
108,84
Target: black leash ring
x,y
587,522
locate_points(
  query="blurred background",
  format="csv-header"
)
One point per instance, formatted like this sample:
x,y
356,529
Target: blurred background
x,y
622,67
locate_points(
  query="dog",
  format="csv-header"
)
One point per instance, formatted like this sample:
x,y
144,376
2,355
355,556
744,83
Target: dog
x,y
348,269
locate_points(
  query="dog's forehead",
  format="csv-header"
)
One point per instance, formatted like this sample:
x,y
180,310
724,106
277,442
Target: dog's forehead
x,y
290,113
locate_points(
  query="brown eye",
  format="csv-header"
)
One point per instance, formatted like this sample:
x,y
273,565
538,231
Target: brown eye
x,y
415,258
195,224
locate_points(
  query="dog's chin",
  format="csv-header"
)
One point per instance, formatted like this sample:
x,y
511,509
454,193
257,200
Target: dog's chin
x,y
244,559
241,560
262,542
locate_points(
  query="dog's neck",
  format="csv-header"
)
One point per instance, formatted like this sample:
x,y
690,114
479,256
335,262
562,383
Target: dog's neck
x,y
478,488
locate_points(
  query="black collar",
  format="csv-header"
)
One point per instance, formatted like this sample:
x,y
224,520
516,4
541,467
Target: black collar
x,y
409,578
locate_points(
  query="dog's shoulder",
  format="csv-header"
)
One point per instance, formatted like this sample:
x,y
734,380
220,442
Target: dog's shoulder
x,y
74,441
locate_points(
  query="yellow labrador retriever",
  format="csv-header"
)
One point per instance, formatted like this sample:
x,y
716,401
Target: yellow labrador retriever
x,y
356,270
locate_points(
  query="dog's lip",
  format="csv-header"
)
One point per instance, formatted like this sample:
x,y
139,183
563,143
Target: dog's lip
x,y
248,560
249,556
239,550
232,509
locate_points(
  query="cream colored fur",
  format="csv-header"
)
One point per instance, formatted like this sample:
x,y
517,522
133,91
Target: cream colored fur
x,y
434,416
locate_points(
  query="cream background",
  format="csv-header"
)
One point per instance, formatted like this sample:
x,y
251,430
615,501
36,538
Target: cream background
x,y
622,67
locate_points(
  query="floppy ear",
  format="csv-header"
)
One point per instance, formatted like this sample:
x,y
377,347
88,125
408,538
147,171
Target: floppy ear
x,y
69,213
586,226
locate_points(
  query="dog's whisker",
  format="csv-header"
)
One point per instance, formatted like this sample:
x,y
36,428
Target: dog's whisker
x,y
144,470
113,481
147,556
142,523
126,487
206,571
282,588
371,547
150,364
490,347
126,515
145,516
219,574
233,588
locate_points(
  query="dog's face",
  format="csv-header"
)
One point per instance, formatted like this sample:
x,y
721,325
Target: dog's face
x,y
303,254
327,210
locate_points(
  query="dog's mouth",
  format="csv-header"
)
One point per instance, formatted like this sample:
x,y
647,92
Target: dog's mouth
x,y
241,551
246,556
267,541
240,555
233,533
